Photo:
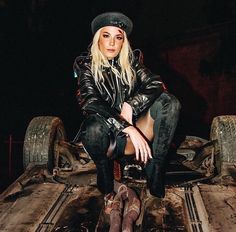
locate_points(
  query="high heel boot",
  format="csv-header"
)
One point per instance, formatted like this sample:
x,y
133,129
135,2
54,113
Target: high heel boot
x,y
156,179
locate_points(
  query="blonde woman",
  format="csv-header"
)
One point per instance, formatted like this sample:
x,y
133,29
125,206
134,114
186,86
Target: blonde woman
x,y
127,109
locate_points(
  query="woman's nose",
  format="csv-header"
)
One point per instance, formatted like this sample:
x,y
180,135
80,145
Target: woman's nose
x,y
112,42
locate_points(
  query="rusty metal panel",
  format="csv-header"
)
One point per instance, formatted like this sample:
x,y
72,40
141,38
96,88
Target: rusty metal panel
x,y
220,206
28,210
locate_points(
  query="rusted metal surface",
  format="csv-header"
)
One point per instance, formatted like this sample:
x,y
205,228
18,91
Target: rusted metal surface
x,y
199,155
24,213
36,201
220,206
81,212
167,214
68,198
43,206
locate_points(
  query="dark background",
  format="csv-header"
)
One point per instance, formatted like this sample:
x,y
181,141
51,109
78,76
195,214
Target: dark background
x,y
39,40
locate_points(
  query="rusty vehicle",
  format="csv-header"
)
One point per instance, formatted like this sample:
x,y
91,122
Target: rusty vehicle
x,y
57,191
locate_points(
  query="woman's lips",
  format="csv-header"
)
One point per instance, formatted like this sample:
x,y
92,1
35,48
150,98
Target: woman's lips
x,y
111,50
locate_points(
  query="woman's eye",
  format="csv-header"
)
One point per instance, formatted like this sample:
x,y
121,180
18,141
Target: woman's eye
x,y
105,36
119,37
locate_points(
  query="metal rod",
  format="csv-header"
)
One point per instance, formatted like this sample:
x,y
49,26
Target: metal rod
x,y
10,156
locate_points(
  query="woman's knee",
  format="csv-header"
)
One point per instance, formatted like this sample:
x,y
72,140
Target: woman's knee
x,y
166,103
94,135
174,103
94,125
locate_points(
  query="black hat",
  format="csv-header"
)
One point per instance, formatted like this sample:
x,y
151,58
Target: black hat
x,y
116,19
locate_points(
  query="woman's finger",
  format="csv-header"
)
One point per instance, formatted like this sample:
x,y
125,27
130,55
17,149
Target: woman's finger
x,y
136,151
149,151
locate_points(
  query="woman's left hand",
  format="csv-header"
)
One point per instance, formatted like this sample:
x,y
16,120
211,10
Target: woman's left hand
x,y
142,149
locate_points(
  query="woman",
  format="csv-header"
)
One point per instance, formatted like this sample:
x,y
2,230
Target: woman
x,y
127,108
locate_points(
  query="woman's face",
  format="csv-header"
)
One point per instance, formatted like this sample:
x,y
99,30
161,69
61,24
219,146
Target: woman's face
x,y
110,41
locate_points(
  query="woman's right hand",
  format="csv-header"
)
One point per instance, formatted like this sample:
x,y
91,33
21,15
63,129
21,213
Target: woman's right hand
x,y
142,149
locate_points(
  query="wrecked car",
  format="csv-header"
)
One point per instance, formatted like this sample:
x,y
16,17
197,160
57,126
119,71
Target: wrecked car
x,y
57,191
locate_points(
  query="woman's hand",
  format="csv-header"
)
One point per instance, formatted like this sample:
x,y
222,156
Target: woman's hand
x,y
127,112
142,149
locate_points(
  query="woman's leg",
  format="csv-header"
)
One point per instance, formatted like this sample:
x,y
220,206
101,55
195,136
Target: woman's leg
x,y
158,126
96,140
165,113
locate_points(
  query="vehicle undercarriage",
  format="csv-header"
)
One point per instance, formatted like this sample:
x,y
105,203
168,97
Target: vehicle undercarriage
x,y
57,191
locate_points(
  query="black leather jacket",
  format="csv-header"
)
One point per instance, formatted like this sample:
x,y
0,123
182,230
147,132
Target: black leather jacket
x,y
106,100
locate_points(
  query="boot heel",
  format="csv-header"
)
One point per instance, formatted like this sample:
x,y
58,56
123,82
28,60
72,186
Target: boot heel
x,y
156,182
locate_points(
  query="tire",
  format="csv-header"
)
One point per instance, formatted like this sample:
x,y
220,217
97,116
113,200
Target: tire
x,y
42,135
223,132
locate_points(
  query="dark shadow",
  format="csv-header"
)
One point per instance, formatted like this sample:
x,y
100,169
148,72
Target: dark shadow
x,y
193,106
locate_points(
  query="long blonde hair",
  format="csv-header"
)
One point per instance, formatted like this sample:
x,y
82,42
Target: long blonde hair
x,y
127,74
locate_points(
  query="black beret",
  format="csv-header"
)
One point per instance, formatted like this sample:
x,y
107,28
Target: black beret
x,y
116,19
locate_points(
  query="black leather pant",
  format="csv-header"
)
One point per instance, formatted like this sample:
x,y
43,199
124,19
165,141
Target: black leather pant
x,y
96,139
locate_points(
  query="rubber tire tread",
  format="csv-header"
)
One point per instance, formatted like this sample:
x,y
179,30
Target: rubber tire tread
x,y
39,140
223,131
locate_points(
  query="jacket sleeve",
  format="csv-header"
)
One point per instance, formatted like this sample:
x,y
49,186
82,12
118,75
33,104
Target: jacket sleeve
x,y
148,88
90,100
